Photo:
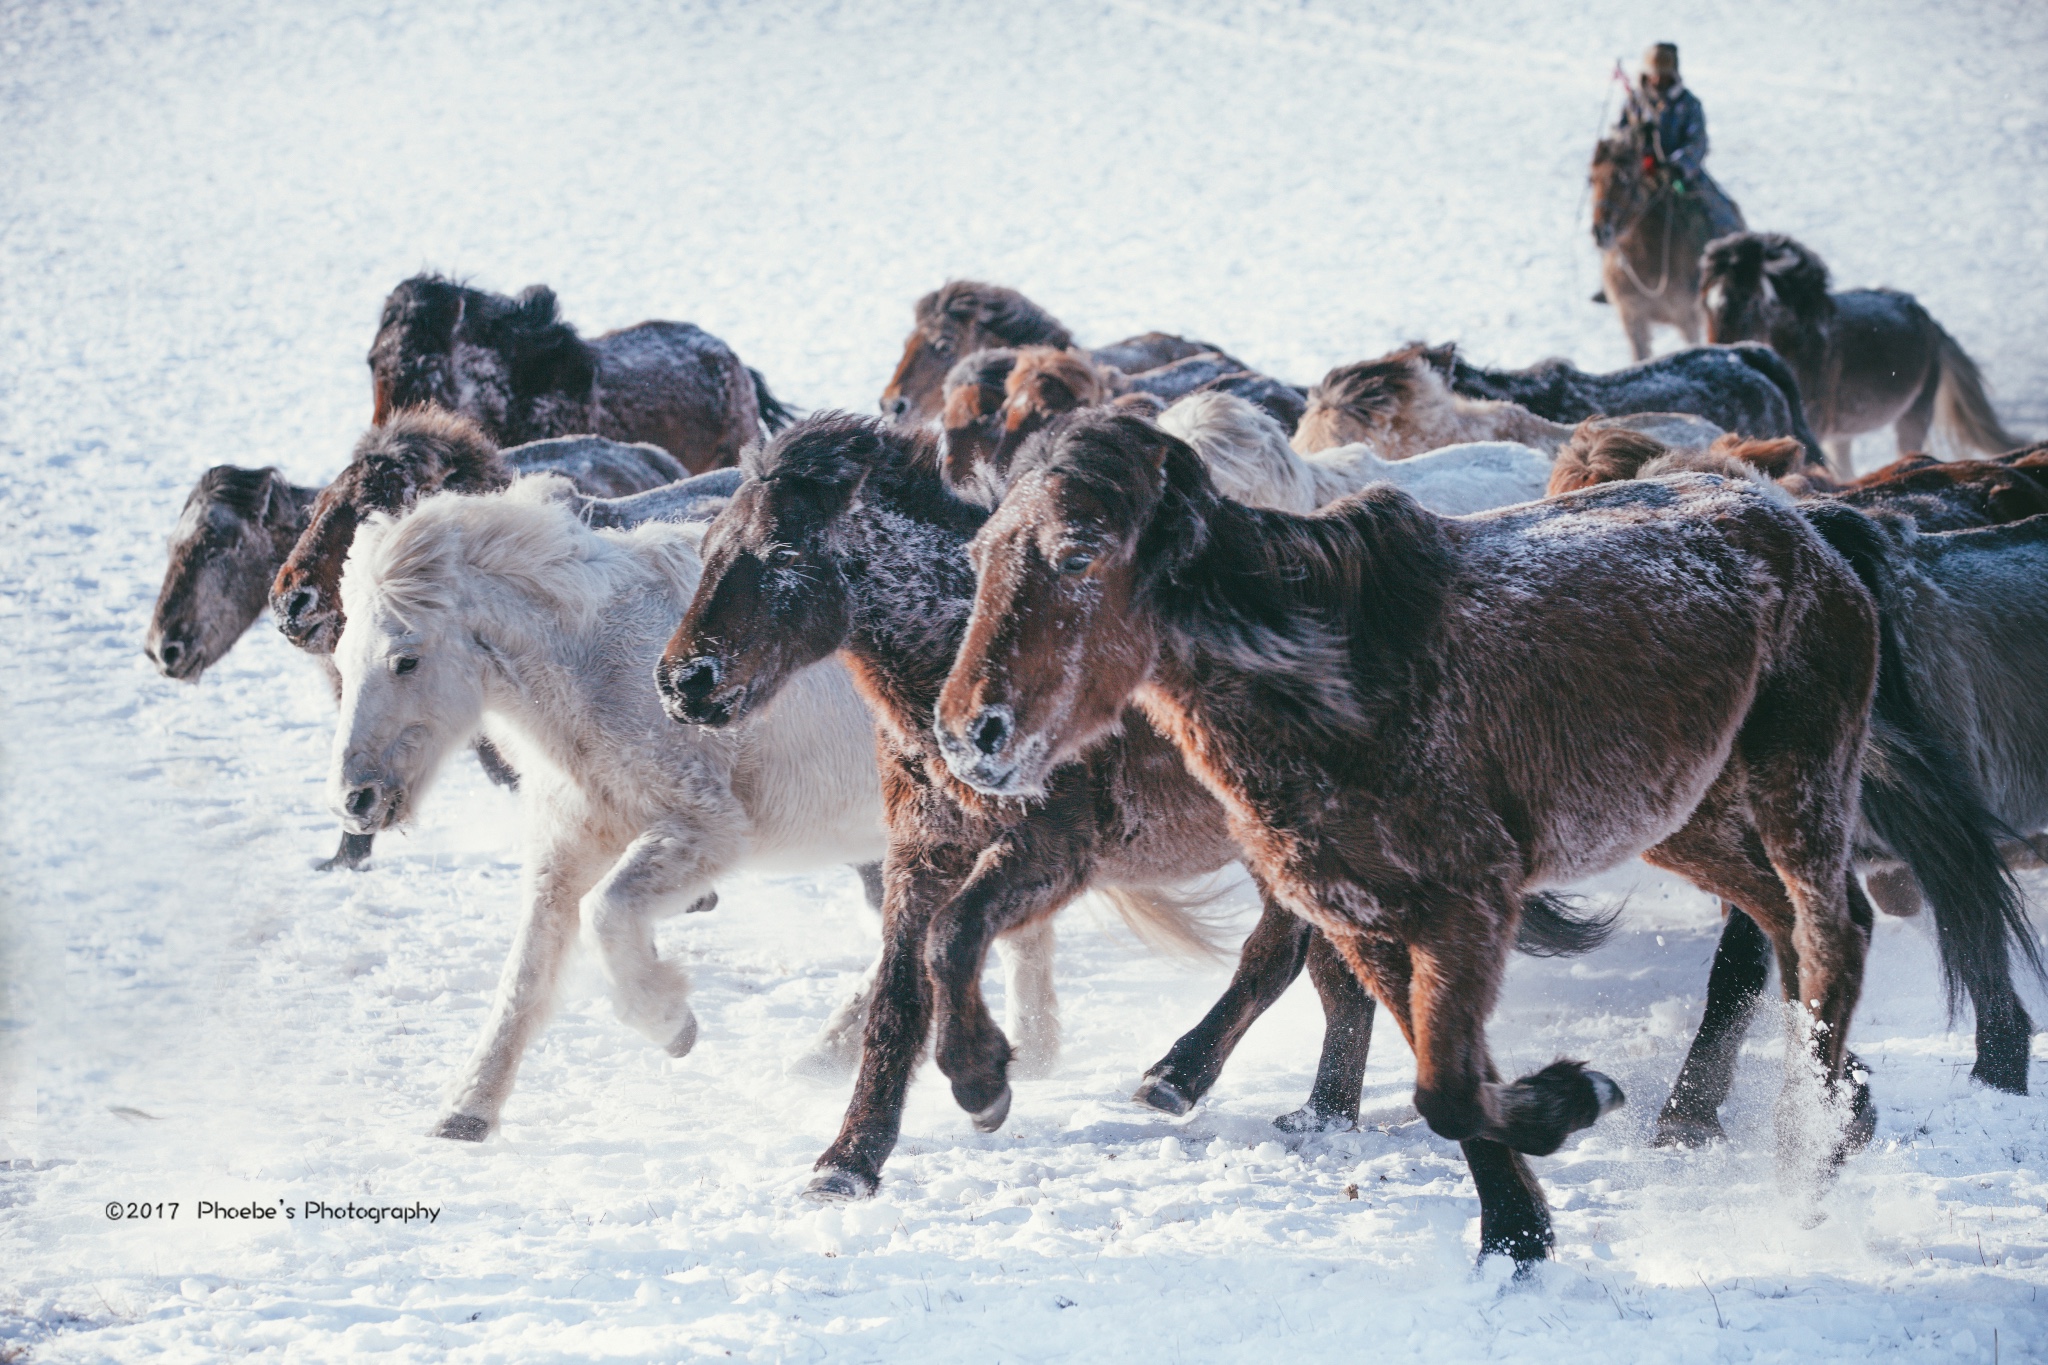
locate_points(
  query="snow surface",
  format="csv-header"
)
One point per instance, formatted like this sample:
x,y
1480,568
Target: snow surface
x,y
201,207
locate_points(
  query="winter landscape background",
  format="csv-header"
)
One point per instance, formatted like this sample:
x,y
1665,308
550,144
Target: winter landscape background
x,y
201,207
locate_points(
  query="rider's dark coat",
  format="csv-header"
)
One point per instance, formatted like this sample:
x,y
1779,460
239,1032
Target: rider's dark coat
x,y
1681,123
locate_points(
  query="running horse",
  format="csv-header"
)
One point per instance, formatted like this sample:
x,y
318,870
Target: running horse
x,y
1650,234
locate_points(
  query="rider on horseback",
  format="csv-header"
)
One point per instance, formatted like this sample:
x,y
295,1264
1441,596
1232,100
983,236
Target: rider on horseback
x,y
1679,134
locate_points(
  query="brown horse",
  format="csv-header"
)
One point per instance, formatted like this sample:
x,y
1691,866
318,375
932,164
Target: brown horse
x,y
234,534
1866,358
429,450
965,316
523,374
1650,237
1406,719
1402,405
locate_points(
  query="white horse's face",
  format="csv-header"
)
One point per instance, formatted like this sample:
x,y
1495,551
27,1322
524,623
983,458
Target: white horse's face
x,y
410,694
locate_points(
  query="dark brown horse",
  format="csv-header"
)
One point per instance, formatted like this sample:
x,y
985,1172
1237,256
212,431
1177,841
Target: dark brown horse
x,y
965,316
1650,237
523,374
1400,714
843,538
1866,358
234,534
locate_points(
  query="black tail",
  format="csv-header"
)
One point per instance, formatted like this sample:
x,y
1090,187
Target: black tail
x,y
1772,366
775,415
1550,928
1922,802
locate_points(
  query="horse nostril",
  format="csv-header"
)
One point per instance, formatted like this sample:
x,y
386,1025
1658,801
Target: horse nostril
x,y
695,679
990,734
168,653
898,407
361,801
298,604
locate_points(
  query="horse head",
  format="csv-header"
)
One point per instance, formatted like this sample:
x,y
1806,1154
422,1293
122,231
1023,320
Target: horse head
x,y
412,358
416,452
1753,282
953,322
412,670
1056,642
1626,178
234,531
973,397
773,599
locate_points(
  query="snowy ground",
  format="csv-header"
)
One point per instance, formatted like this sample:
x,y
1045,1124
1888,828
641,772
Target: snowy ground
x,y
200,208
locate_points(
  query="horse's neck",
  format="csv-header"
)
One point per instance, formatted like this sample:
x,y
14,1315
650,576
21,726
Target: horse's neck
x,y
557,680
910,589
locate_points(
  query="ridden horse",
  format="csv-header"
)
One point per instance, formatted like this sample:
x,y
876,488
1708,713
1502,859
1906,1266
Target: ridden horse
x,y
506,613
1866,358
1745,388
844,538
522,373
237,527
1650,237
1965,631
1402,404
1402,715
965,316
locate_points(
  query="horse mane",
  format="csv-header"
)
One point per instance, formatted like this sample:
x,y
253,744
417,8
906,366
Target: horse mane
x,y
1374,389
1245,450
1053,380
543,353
1318,612
1003,312
1596,455
527,536
974,386
417,451
841,450
245,492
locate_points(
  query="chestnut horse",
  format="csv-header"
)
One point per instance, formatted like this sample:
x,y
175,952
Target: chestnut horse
x,y
1404,716
1650,237
1866,358
965,316
522,373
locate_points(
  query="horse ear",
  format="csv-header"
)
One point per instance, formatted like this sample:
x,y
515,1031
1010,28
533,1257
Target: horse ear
x,y
1442,359
537,304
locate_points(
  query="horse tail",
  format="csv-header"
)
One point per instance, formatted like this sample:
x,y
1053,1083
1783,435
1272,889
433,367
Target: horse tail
x,y
1772,366
775,414
1552,927
1170,920
1961,407
1922,802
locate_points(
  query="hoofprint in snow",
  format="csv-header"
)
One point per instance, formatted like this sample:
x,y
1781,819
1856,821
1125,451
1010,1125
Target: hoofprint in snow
x,y
205,209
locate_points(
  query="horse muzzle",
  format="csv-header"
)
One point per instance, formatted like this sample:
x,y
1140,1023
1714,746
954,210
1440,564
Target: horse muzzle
x,y
694,692
986,755
371,807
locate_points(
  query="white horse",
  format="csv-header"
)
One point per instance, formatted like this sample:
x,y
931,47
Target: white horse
x,y
504,612
1250,459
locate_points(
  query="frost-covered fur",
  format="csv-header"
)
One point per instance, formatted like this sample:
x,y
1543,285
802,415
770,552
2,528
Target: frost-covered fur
x,y
1251,461
508,614
234,533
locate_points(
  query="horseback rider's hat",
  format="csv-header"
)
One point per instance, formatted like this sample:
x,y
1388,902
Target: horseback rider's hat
x,y
1661,60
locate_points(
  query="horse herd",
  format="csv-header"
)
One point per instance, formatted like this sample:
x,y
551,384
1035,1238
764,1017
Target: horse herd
x,y
1415,646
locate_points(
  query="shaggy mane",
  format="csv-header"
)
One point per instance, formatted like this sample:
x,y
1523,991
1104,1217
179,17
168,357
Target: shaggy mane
x,y
1370,389
974,387
419,450
1742,262
245,492
1003,312
1047,380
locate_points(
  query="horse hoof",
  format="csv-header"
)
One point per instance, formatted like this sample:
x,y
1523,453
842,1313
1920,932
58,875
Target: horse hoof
x,y
1164,1096
685,1039
1309,1119
463,1128
2008,1074
837,1185
707,901
1683,1130
991,1118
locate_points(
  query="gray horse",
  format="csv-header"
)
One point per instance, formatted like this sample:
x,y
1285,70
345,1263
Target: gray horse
x,y
1866,358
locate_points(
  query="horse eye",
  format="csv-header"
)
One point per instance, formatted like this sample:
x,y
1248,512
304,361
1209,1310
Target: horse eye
x,y
1077,562
782,556
404,664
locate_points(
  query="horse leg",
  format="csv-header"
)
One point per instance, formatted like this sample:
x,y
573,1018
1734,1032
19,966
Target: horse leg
x,y
1272,957
1514,1217
836,1049
526,992
352,854
2005,1037
919,881
1025,875
1031,1004
667,869
1636,319
1910,431
1735,987
1841,453
494,765
1347,1034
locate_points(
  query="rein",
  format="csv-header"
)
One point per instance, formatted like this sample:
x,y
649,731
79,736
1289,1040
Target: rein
x,y
1670,225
